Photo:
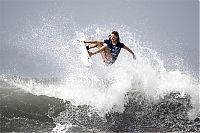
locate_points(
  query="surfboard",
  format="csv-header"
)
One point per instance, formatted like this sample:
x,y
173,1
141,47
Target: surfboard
x,y
87,61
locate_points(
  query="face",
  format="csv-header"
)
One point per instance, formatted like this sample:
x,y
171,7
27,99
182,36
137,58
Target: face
x,y
113,38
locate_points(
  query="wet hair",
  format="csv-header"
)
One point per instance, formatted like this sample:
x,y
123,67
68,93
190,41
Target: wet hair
x,y
117,35
109,36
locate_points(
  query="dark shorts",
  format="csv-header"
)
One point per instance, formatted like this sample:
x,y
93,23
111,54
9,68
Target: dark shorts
x,y
109,62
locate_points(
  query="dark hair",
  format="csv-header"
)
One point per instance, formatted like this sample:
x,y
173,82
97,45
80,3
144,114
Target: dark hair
x,y
117,35
109,37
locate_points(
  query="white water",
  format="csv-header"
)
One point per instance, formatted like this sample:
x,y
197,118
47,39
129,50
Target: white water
x,y
100,86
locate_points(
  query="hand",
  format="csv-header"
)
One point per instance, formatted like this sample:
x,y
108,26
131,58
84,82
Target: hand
x,y
134,57
81,41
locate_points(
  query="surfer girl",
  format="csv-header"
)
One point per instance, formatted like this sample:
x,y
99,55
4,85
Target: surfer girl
x,y
109,48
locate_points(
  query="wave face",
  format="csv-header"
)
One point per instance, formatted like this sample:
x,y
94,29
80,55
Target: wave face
x,y
51,47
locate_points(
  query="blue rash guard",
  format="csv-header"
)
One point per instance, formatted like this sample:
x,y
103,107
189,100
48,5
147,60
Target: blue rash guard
x,y
114,49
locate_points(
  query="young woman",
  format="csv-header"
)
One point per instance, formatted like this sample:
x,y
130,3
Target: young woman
x,y
109,49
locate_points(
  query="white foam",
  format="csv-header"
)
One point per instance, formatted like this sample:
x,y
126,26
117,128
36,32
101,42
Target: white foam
x,y
104,87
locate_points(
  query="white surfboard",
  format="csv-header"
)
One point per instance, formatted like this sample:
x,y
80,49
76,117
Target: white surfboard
x,y
84,54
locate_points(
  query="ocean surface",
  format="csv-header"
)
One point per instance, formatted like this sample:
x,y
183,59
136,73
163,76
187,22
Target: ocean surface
x,y
46,87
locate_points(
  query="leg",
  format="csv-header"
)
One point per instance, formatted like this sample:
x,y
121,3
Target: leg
x,y
105,54
93,45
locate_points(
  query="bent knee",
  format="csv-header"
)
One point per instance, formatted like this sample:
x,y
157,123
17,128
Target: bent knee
x,y
99,44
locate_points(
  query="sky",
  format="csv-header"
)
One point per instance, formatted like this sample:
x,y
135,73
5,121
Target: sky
x,y
172,26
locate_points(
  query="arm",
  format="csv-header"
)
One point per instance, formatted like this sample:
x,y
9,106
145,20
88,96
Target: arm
x,y
94,42
90,42
130,51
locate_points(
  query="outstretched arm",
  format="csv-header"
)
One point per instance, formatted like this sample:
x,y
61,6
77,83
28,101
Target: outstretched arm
x,y
129,50
94,42
90,42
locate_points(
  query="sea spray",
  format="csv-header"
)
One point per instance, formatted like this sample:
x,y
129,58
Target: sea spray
x,y
104,87
52,43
